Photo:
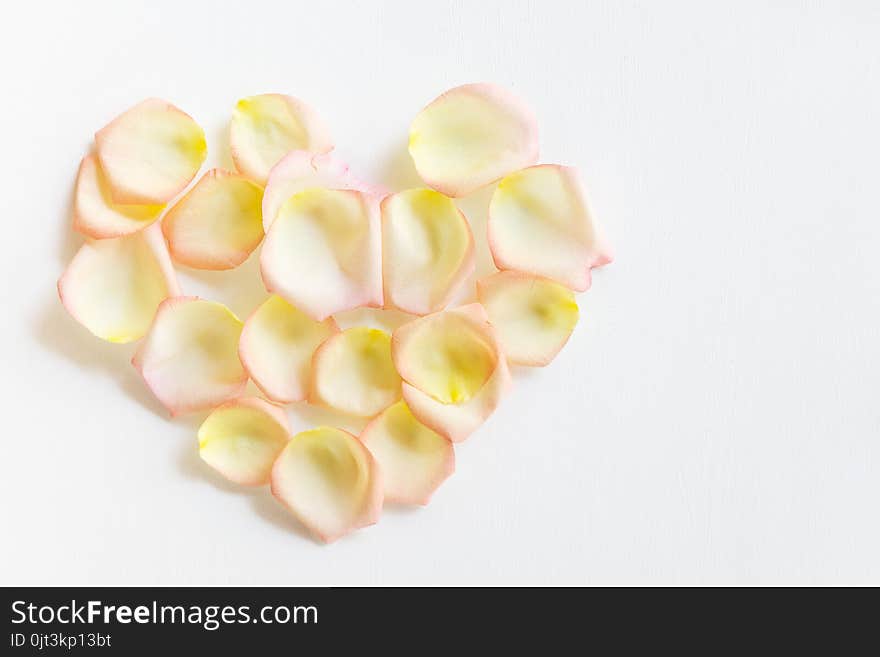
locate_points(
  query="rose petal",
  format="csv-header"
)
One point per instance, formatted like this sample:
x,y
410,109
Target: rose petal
x,y
427,250
471,136
242,438
113,286
448,355
414,459
265,128
189,358
150,153
323,252
217,224
301,170
532,317
94,212
540,223
329,481
353,372
458,421
276,348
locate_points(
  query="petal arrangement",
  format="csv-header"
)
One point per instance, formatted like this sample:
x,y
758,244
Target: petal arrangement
x,y
330,242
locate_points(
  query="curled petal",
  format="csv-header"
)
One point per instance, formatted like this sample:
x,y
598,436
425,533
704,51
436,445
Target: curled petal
x,y
458,421
354,373
217,223
300,170
532,317
471,136
265,128
189,358
276,348
414,459
94,212
427,250
322,252
242,438
113,286
540,223
329,481
448,355
150,153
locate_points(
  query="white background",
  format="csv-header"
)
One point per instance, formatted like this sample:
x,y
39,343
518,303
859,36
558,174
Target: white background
x,y
715,416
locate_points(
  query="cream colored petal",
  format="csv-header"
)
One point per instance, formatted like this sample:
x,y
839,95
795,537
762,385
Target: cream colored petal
x,y
150,153
322,252
458,421
265,128
300,170
532,317
242,438
427,250
448,355
329,481
189,358
94,212
471,136
353,372
217,224
540,223
276,348
113,286
414,459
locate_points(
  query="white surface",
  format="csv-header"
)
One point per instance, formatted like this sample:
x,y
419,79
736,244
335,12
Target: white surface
x,y
714,418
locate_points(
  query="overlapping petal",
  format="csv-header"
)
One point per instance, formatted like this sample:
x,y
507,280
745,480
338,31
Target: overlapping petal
x,y
216,224
322,252
427,250
276,348
113,286
458,421
242,438
533,317
454,374
353,372
448,355
150,153
471,136
189,358
94,212
329,481
540,223
414,459
265,128
300,170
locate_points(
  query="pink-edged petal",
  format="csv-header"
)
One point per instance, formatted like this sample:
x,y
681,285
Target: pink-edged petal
x,y
448,355
94,212
458,421
265,128
329,481
242,438
353,372
540,223
414,459
471,136
216,224
533,317
322,252
300,170
150,153
114,286
276,348
189,358
427,250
